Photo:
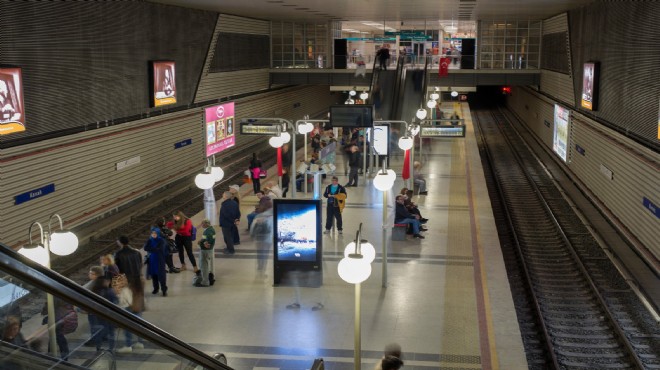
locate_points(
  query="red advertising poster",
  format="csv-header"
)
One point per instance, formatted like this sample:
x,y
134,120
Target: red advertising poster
x,y
219,121
12,110
444,67
589,85
164,88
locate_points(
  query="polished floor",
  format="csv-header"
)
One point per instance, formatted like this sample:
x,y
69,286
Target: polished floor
x,y
447,299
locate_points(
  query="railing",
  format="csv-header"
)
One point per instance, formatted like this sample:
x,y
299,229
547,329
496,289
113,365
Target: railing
x,y
24,341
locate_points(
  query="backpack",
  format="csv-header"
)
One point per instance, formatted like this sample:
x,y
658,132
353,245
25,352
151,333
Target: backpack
x,y
193,233
68,319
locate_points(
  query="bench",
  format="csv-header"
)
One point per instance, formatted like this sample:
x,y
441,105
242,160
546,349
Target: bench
x,y
399,232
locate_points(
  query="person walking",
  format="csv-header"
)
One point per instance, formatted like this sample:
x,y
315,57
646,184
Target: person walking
x,y
129,261
383,57
334,193
157,248
229,217
206,244
255,171
261,231
131,298
354,164
183,227
236,196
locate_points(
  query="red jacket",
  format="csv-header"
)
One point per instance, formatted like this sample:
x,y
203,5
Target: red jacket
x,y
185,230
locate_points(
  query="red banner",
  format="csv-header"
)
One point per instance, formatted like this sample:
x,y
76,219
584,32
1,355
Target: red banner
x,y
444,67
406,165
279,161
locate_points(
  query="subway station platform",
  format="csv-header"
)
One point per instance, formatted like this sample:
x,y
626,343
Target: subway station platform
x,y
447,301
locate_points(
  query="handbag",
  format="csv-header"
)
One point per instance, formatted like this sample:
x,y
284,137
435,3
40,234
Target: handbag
x,y
171,246
262,173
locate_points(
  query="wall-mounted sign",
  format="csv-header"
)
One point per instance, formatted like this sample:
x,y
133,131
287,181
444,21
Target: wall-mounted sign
x,y
269,129
127,163
182,143
33,194
442,131
606,172
560,134
12,112
579,149
651,207
163,84
220,126
590,72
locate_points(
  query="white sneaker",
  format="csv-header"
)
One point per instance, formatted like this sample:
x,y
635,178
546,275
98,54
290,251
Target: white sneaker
x,y
138,345
327,232
125,349
341,232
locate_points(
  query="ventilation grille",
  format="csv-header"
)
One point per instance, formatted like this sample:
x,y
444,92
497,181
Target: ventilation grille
x,y
237,51
554,52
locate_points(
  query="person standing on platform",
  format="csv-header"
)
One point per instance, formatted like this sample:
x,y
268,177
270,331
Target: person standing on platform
x,y
236,196
354,164
157,248
171,243
129,261
255,171
261,231
183,227
336,195
206,244
230,216
420,181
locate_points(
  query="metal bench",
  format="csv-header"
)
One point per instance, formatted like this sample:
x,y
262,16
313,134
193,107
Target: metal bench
x,y
399,232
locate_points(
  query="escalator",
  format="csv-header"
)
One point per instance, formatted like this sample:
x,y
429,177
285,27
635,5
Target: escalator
x,y
410,93
24,344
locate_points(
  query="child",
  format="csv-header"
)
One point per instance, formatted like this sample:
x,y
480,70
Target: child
x,y
206,244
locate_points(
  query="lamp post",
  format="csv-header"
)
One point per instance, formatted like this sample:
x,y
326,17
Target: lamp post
x,y
355,268
383,181
61,243
205,181
303,127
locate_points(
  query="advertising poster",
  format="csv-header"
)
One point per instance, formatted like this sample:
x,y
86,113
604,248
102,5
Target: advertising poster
x,y
560,135
589,85
164,78
219,121
12,112
297,230
381,139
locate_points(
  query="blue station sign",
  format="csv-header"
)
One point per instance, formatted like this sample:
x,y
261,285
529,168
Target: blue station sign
x,y
34,194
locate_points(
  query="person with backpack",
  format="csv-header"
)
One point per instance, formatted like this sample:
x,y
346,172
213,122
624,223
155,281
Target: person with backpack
x,y
66,322
168,235
101,329
184,238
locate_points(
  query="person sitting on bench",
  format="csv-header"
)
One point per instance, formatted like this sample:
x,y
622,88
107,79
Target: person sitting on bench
x,y
402,216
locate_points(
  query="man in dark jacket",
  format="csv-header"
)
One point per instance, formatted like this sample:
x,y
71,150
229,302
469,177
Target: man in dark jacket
x,y
230,215
402,216
354,164
333,207
129,261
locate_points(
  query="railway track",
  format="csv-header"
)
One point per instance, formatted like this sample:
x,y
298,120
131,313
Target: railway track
x,y
574,309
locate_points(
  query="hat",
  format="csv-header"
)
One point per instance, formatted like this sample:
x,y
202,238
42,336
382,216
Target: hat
x,y
235,187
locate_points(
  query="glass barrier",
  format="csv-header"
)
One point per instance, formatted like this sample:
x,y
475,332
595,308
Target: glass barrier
x,y
89,331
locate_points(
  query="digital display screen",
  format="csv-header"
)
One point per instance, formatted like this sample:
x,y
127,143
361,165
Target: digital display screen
x,y
351,115
12,112
443,131
297,230
164,83
560,134
381,140
220,134
589,85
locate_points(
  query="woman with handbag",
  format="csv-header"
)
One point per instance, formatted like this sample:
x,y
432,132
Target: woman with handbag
x,y
171,244
183,227
256,171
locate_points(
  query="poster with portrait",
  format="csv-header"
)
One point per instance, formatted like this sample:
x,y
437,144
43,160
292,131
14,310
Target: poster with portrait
x,y
12,109
164,83
589,85
560,135
219,123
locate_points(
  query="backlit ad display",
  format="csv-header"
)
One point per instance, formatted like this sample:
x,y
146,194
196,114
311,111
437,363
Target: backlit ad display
x,y
12,110
589,85
560,135
297,230
164,83
381,140
220,128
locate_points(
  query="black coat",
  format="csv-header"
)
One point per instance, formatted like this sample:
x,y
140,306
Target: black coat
x,y
229,213
129,262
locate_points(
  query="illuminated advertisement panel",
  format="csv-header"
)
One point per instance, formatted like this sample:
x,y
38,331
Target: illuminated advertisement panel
x,y
297,231
12,110
560,135
164,83
220,130
589,85
381,140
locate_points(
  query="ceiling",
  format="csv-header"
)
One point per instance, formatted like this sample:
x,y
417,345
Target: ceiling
x,y
415,14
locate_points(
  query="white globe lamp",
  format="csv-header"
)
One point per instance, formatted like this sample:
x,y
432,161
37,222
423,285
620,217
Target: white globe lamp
x,y
36,253
435,95
364,95
384,181
405,143
217,173
204,181
286,137
63,243
354,270
305,128
431,103
414,129
421,113
275,141
454,93
352,93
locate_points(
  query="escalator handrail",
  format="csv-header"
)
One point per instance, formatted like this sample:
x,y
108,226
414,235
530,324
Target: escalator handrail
x,y
51,282
425,85
375,74
394,111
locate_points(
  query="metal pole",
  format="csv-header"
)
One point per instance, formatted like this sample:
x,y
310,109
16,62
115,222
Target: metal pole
x,y
293,162
50,304
384,238
358,345
305,174
364,154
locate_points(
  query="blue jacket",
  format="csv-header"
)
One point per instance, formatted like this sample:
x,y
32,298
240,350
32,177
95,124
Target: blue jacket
x,y
229,213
